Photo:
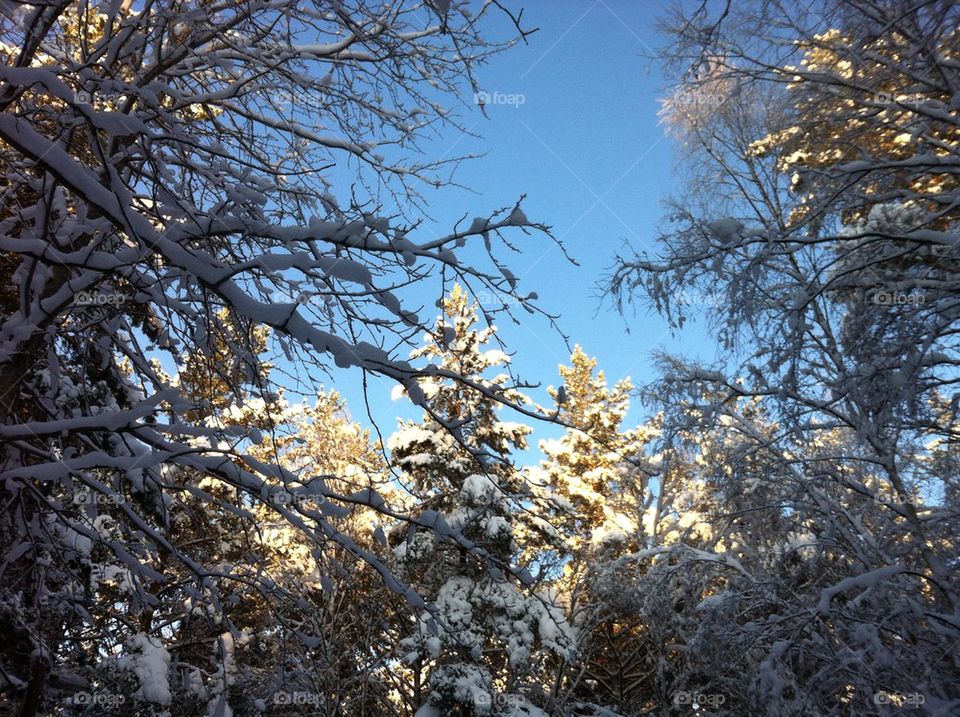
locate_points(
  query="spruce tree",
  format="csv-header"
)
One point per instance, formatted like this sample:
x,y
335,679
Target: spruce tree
x,y
483,632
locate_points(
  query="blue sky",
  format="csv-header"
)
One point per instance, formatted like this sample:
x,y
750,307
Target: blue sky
x,y
586,148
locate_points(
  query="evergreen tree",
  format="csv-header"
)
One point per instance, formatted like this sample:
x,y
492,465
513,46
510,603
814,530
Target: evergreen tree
x,y
596,472
484,633
594,491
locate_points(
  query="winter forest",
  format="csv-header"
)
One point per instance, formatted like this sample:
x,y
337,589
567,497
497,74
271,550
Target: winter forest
x,y
279,439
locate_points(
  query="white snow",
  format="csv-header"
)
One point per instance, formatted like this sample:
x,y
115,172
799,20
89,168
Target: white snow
x,y
151,665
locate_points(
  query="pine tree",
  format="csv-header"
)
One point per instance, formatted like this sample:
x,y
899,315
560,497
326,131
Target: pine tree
x,y
594,490
484,633
596,470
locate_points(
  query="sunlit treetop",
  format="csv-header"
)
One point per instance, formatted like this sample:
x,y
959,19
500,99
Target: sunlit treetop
x,y
857,101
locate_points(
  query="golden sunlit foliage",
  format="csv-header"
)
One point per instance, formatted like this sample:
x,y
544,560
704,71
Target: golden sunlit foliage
x,y
855,102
